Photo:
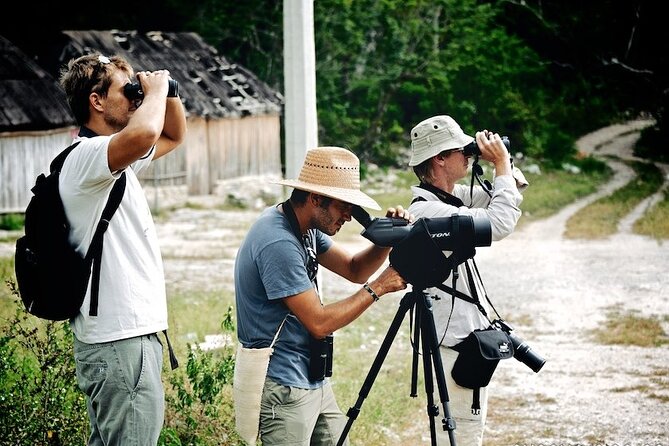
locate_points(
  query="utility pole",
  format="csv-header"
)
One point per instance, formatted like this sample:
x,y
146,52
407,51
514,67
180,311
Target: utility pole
x,y
299,62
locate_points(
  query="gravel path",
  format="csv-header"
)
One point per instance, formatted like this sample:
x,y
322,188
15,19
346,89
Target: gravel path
x,y
558,290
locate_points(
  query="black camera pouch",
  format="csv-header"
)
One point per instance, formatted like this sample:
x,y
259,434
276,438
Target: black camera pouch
x,y
479,354
320,358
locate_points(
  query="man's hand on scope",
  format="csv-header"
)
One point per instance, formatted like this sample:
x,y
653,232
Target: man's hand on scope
x,y
399,212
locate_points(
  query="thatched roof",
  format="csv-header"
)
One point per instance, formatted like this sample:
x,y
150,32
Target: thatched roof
x,y
209,84
30,98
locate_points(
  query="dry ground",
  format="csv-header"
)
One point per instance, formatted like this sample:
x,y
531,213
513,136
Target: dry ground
x,y
553,290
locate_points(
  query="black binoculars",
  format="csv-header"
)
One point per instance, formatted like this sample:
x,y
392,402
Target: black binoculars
x,y
472,148
133,91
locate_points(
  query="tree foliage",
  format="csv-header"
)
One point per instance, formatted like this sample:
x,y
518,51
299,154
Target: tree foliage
x,y
541,71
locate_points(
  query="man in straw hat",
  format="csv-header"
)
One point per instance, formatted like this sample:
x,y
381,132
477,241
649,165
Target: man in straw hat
x,y
277,292
439,162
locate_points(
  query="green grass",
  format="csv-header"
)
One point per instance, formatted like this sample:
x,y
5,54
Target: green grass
x,y
601,218
6,298
553,190
11,222
655,222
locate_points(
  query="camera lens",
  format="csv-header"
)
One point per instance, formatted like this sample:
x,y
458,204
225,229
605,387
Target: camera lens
x,y
525,354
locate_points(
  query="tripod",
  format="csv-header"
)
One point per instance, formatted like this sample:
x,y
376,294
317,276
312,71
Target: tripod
x,y
426,334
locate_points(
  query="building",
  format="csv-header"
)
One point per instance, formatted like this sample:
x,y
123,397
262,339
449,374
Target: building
x,y
233,117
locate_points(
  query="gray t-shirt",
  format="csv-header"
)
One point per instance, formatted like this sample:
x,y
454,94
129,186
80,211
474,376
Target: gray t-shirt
x,y
271,265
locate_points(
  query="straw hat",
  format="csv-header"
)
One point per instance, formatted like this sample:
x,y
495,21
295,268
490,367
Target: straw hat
x,y
333,172
434,135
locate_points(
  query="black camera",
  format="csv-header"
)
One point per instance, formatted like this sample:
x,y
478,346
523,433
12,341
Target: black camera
x,y
521,350
418,248
320,358
472,149
133,91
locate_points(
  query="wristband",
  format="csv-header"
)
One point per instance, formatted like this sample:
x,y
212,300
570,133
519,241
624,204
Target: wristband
x,y
371,291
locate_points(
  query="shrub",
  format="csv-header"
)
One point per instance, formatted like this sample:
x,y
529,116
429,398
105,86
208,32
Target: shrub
x,y
39,398
199,405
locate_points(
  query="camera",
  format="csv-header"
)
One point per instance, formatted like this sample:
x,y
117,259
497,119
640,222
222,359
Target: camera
x,y
320,358
472,149
418,248
133,91
521,350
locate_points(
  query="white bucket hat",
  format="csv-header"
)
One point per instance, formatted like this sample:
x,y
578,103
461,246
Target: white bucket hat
x,y
333,172
434,135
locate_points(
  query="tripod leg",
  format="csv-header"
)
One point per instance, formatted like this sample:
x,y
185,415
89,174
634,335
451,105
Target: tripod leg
x,y
431,345
406,303
415,349
432,409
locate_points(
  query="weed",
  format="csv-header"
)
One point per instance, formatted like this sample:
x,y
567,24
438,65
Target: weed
x,y
630,329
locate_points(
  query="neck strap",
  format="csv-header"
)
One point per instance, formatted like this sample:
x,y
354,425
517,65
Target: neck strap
x,y
289,212
441,195
292,219
86,132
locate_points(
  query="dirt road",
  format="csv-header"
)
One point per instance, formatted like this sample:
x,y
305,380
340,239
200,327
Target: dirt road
x,y
558,290
553,290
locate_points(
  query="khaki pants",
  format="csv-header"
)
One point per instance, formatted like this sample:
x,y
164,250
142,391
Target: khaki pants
x,y
468,427
293,416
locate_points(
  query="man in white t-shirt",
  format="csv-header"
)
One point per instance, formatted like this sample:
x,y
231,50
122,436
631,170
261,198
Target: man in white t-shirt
x,y
117,352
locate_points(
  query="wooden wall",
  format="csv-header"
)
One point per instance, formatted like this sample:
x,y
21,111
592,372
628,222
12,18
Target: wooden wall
x,y
236,147
23,156
216,149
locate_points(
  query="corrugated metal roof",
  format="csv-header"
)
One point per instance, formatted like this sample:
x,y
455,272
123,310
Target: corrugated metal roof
x,y
209,84
30,98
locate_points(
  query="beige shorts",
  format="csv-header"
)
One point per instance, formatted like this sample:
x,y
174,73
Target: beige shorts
x,y
294,416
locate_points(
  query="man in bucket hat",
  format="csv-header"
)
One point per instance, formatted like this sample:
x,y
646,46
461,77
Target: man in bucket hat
x,y
277,295
439,162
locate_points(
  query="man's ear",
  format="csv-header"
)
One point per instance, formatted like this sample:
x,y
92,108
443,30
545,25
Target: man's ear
x,y
96,101
315,199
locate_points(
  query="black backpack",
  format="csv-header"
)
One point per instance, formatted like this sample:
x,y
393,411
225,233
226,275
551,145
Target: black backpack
x,y
52,277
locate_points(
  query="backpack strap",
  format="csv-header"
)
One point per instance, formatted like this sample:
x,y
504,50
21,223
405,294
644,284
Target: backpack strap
x,y
94,253
58,161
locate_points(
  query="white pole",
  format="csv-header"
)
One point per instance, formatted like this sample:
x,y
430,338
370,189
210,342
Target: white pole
x,y
299,62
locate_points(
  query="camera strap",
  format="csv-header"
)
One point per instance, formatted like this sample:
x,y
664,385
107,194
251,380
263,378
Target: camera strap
x,y
308,241
474,299
477,171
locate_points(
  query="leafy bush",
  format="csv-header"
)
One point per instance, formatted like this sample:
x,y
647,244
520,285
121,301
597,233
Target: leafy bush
x,y
41,403
39,398
11,222
199,405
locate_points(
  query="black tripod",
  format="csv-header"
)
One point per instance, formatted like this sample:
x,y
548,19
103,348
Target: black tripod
x,y
426,334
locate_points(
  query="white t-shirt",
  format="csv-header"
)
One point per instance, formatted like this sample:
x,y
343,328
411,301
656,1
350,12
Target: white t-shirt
x,y
132,299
